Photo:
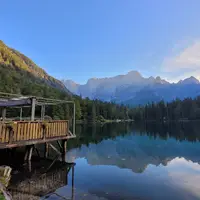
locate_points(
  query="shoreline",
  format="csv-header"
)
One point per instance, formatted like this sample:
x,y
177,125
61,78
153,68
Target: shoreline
x,y
102,122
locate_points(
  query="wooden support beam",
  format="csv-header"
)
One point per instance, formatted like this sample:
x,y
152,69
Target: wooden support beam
x,y
55,149
46,150
64,146
58,142
42,112
33,109
21,111
30,152
3,114
64,150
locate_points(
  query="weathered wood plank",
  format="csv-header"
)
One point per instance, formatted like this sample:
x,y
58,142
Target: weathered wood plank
x,y
26,136
36,131
7,134
30,131
4,134
34,136
18,132
60,128
22,132
54,129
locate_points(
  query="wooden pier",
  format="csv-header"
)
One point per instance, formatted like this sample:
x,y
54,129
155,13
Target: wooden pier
x,y
16,133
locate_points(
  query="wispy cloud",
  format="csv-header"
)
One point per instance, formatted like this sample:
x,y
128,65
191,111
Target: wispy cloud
x,y
184,63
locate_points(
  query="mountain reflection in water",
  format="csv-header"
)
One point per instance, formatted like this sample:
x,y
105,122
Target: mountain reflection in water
x,y
125,161
152,161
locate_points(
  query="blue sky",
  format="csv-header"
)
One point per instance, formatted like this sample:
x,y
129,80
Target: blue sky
x,y
81,39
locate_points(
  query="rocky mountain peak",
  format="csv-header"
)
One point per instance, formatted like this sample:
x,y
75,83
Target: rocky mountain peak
x,y
190,80
134,74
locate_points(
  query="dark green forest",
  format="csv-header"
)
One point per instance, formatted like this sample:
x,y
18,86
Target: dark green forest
x,y
187,109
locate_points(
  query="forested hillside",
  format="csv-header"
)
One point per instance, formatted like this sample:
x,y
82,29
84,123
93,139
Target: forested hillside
x,y
15,60
18,74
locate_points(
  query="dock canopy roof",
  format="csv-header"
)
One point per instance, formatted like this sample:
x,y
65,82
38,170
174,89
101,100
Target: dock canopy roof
x,y
15,102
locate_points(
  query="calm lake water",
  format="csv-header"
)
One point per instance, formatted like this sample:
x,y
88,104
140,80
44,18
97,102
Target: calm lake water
x,y
121,162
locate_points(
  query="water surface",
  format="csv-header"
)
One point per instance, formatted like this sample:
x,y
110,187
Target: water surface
x,y
130,161
139,162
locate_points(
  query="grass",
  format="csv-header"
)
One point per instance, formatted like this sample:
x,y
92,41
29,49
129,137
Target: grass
x,y
2,197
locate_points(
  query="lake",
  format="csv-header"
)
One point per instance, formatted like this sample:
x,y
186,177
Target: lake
x,y
125,161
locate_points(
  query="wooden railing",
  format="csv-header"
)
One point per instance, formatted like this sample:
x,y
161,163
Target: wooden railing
x,y
4,133
18,131
56,128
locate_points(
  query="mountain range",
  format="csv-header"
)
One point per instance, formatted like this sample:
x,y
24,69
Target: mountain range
x,y
19,74
133,89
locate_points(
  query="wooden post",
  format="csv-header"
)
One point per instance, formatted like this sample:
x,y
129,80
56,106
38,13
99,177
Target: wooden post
x,y
42,112
29,166
55,149
30,152
21,114
11,135
64,149
3,114
46,150
73,182
60,146
26,153
64,146
33,109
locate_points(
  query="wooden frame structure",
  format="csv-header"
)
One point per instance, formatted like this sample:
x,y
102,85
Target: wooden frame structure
x,y
16,133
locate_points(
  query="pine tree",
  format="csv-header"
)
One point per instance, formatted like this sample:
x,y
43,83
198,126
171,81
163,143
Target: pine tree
x,y
93,112
78,110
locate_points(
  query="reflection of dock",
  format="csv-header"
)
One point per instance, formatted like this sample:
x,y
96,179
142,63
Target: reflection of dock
x,y
37,183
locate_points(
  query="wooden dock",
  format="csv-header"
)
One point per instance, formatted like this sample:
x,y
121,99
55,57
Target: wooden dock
x,y
16,133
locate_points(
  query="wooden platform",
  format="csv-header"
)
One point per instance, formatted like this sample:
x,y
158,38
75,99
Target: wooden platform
x,y
22,133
